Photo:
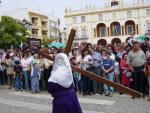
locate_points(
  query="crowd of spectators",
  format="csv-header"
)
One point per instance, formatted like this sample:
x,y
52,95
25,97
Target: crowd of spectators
x,y
125,63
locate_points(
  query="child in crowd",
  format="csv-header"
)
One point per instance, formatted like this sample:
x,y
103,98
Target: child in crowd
x,y
35,77
108,69
18,76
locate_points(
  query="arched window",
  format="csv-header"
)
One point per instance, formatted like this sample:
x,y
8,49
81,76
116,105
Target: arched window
x,y
115,29
101,30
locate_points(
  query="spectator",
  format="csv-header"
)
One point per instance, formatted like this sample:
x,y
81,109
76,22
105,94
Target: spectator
x,y
117,69
137,62
48,65
25,70
146,49
74,53
108,67
80,63
148,73
18,76
87,82
125,69
1,71
40,65
103,53
76,75
96,61
146,46
9,71
35,77
112,55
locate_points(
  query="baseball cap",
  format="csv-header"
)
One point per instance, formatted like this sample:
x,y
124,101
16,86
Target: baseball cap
x,y
34,62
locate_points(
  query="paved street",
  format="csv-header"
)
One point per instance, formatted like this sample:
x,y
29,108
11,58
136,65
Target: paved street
x,y
24,102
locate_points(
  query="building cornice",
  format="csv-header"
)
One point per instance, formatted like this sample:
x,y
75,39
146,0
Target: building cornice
x,y
33,13
104,10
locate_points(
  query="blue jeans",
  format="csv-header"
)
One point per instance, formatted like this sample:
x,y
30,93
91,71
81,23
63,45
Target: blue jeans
x,y
35,84
108,89
18,82
26,79
76,77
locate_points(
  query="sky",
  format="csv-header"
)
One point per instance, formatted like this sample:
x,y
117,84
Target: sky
x,y
50,7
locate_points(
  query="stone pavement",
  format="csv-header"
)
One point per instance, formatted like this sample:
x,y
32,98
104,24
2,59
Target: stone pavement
x,y
25,102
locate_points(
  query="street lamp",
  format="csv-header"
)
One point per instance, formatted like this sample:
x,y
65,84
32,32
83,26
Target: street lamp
x,y
26,24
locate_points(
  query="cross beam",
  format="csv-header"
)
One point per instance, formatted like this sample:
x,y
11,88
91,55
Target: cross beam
x,y
94,76
108,82
70,41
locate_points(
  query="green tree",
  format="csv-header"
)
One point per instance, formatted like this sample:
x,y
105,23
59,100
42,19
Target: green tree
x,y
12,32
47,40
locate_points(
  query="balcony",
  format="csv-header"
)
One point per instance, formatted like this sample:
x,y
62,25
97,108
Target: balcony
x,y
54,28
34,32
44,33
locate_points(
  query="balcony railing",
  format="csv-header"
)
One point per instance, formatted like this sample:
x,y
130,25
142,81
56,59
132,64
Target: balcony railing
x,y
81,38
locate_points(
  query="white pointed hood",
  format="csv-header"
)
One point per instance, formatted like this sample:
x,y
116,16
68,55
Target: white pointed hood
x,y
62,72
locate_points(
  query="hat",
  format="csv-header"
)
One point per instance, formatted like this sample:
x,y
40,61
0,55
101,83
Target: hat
x,y
34,62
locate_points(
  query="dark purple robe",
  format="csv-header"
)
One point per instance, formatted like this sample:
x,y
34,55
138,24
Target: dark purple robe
x,y
65,99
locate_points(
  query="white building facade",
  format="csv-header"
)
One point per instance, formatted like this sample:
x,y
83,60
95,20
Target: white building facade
x,y
54,31
112,24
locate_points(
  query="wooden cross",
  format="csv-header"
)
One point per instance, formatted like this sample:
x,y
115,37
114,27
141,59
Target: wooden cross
x,y
94,76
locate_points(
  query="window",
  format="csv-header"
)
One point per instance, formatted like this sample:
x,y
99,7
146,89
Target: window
x,y
82,19
129,29
84,35
34,20
44,33
114,15
53,34
116,30
74,20
114,3
148,27
100,17
129,14
102,32
35,31
147,12
44,23
53,24
76,44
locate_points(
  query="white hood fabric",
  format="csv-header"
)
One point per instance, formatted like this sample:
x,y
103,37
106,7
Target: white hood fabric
x,y
62,72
